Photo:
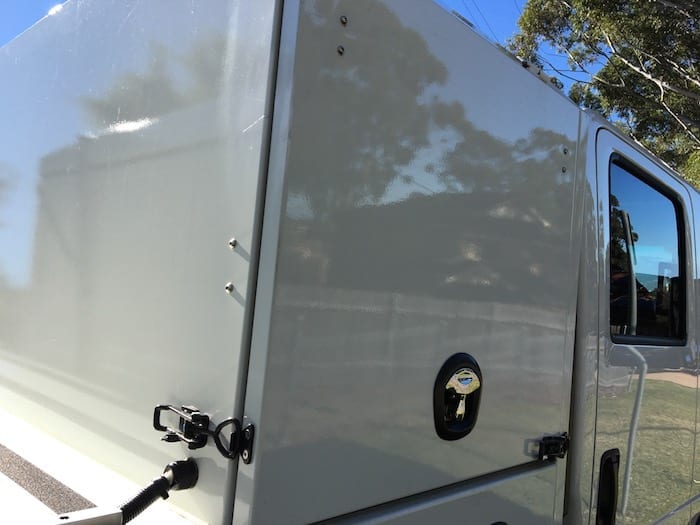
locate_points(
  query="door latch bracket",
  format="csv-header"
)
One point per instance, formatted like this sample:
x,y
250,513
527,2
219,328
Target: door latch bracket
x,y
553,447
193,429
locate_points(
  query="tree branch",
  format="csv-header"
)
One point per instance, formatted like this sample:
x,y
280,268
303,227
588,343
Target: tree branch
x,y
685,123
663,62
682,122
682,72
676,7
658,81
645,72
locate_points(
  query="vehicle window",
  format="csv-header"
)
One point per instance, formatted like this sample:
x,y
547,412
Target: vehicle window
x,y
645,249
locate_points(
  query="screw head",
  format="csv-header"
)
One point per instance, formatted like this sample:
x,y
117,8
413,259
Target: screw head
x,y
232,243
229,288
563,169
344,20
341,50
245,455
246,433
566,151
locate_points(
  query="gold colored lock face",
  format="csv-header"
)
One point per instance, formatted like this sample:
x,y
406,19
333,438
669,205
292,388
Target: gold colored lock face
x,y
462,383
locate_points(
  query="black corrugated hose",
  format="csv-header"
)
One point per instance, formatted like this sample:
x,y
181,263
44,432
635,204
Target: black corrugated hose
x,y
157,489
178,475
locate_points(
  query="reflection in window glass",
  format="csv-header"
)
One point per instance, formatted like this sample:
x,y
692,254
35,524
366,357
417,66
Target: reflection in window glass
x,y
644,250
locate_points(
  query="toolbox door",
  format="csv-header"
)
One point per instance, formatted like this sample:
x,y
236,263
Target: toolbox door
x,y
419,237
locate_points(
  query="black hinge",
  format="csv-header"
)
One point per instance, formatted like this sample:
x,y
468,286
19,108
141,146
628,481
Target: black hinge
x,y
553,447
193,429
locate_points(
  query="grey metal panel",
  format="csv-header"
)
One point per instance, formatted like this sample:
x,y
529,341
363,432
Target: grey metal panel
x,y
696,285
585,367
663,434
133,141
516,498
695,491
427,209
246,493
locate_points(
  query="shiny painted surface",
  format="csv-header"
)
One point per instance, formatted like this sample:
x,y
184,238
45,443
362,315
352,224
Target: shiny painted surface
x,y
517,499
663,436
133,141
426,185
579,474
695,508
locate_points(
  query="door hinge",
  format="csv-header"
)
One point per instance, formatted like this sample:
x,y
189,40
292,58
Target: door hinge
x,y
553,447
193,429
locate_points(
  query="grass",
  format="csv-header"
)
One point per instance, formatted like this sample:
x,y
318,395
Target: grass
x,y
661,476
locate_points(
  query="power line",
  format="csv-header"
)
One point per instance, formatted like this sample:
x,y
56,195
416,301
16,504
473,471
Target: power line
x,y
486,21
561,72
469,11
475,21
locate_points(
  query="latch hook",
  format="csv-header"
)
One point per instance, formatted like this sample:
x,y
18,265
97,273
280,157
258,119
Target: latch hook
x,y
234,439
193,429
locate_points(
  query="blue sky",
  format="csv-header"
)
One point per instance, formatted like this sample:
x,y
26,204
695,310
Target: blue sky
x,y
497,19
18,15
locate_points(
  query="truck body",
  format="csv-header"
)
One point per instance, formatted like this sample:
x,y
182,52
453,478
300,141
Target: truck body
x,y
296,214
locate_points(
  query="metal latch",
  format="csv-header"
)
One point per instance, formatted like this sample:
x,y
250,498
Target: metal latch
x,y
193,429
553,447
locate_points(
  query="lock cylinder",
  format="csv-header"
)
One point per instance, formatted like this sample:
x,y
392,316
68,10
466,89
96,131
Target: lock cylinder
x,y
456,397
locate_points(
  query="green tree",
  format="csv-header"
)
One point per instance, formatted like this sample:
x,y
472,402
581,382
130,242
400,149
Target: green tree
x,y
642,59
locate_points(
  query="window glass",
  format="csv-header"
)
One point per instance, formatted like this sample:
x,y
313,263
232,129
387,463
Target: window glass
x,y
644,250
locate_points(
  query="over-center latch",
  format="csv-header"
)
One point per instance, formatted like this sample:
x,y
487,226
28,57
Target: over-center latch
x,y
193,429
553,447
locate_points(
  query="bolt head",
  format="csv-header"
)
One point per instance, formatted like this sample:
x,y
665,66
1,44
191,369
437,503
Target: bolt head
x,y
232,243
229,287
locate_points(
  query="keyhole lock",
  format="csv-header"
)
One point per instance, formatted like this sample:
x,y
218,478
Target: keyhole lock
x,y
456,397
462,383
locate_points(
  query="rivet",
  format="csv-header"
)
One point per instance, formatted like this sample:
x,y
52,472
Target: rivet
x,y
566,151
245,455
232,243
341,50
344,20
229,287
